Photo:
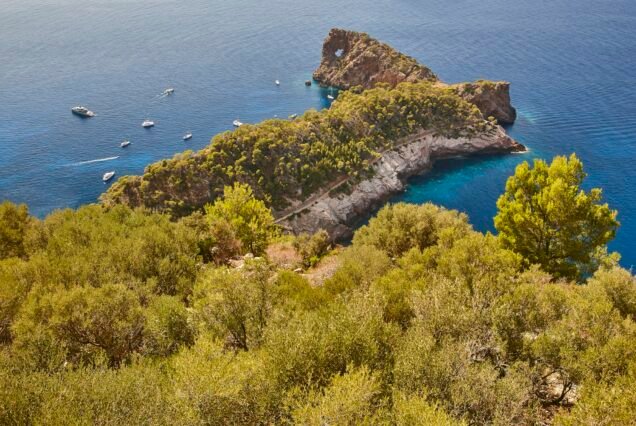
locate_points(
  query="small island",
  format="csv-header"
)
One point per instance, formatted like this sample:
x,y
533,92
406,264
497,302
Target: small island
x,y
327,169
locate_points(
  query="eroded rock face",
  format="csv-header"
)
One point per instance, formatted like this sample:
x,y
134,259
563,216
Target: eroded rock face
x,y
339,213
491,97
351,59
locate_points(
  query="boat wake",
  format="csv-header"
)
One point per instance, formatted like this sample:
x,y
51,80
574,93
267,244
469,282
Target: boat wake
x,y
99,160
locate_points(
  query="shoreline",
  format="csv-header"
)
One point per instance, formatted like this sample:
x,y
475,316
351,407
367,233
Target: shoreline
x,y
338,213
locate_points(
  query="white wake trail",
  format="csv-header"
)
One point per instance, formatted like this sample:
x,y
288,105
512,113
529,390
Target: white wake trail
x,y
99,160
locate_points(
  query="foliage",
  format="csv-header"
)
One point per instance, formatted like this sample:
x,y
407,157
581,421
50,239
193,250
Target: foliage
x,y
285,160
240,214
353,398
110,317
546,217
400,227
234,305
312,248
91,246
85,323
168,327
14,222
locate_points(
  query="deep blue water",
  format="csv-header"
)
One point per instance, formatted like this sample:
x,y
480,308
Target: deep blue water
x,y
571,63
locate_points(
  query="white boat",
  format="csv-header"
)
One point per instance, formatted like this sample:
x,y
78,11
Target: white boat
x,y
147,124
168,91
124,144
277,83
293,116
108,176
187,136
237,123
82,111
330,97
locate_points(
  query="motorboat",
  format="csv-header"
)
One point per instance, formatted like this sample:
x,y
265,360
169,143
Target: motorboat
x,y
187,136
82,111
108,176
147,124
124,144
293,116
277,83
330,97
169,91
237,123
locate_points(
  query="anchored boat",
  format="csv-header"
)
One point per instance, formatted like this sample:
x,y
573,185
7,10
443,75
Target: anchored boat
x,y
108,176
82,111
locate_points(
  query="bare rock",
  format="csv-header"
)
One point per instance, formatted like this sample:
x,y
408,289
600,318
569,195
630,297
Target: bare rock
x,y
491,97
352,59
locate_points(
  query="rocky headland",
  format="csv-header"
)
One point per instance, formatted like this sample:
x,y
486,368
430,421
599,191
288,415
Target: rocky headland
x,y
328,169
351,59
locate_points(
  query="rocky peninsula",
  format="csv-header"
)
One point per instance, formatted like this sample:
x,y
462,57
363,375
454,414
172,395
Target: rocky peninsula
x,y
351,59
327,169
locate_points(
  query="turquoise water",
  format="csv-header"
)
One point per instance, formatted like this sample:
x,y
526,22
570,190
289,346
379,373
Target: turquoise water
x,y
571,65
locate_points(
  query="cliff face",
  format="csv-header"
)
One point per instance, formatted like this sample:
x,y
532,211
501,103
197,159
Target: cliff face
x,y
491,97
338,212
351,59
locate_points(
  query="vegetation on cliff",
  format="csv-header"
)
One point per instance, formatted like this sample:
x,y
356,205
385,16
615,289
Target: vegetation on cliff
x,y
285,160
353,59
120,316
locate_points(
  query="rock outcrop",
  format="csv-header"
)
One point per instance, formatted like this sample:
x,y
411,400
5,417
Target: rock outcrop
x,y
351,59
338,212
491,97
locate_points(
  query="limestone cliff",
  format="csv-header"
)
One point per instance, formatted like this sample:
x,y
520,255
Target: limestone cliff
x,y
351,59
339,210
491,97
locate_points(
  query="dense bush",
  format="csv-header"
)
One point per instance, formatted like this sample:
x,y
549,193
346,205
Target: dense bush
x,y
312,247
124,317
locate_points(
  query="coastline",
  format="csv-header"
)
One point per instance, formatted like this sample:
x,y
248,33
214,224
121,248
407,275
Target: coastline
x,y
338,211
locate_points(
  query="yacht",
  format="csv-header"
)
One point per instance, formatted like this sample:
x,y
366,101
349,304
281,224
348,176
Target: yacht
x,y
147,124
168,91
82,111
187,136
108,176
124,144
237,123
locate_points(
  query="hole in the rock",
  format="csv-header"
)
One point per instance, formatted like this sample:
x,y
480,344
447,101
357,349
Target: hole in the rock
x,y
339,53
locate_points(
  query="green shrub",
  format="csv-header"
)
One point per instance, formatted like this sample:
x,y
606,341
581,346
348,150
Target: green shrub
x,y
312,248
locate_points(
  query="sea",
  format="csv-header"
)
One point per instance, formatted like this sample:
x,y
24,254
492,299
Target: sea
x,y
572,65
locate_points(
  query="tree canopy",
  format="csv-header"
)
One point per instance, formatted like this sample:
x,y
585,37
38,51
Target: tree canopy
x,y
120,316
548,218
